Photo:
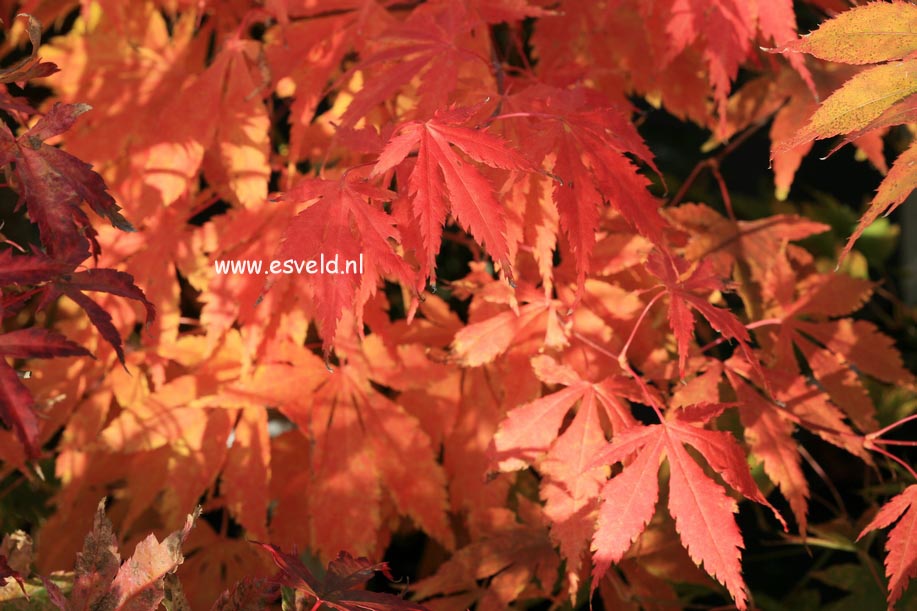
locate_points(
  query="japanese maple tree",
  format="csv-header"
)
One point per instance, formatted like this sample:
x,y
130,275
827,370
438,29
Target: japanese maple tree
x,y
565,360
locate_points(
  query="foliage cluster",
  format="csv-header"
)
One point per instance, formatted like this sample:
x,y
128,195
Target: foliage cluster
x,y
563,365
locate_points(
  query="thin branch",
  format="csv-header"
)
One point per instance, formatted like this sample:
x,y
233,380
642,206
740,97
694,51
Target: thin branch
x,y
824,477
891,426
714,164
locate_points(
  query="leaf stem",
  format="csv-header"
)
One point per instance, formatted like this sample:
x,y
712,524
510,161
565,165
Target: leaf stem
x,y
623,356
888,454
752,325
824,477
714,164
895,442
891,426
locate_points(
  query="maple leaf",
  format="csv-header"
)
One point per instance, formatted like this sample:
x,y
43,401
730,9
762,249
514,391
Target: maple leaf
x,y
875,32
683,297
104,281
727,28
150,111
97,565
481,341
29,269
769,435
238,158
701,508
432,44
16,402
858,102
838,350
139,582
725,242
586,143
530,431
339,222
899,113
895,188
804,402
901,546
440,175
509,554
53,184
879,96
101,581
337,589
356,429
29,67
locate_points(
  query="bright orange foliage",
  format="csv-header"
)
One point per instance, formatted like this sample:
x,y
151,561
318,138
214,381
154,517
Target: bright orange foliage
x,y
605,336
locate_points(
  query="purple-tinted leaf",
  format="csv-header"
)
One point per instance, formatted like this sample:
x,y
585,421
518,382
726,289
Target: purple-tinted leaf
x,y
38,343
29,269
7,572
29,67
104,281
16,409
337,591
293,573
56,121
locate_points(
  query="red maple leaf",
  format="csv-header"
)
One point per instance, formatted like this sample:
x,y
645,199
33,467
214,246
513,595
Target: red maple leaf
x,y
29,67
901,561
103,281
431,45
339,221
337,589
483,340
16,402
769,434
54,183
530,432
588,142
838,350
441,180
29,269
683,285
726,27
701,508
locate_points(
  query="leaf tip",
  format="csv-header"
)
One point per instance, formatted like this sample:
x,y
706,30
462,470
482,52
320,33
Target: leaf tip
x,y
80,108
123,224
